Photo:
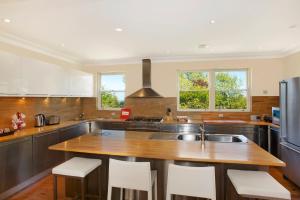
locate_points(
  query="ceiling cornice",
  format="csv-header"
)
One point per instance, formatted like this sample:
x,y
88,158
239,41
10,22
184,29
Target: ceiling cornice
x,y
210,57
26,44
14,40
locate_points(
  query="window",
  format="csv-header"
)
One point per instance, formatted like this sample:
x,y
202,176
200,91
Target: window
x,y
111,91
213,90
194,90
231,90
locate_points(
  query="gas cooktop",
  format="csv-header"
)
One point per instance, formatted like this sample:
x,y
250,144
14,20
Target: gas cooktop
x,y
144,119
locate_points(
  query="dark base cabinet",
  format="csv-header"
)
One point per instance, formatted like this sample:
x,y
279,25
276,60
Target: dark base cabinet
x,y
43,158
29,158
73,131
275,142
97,126
16,162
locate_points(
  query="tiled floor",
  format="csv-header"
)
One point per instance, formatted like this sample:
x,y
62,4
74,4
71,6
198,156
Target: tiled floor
x,y
43,189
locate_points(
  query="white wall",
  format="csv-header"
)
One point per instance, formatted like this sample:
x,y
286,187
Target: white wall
x,y
265,74
292,65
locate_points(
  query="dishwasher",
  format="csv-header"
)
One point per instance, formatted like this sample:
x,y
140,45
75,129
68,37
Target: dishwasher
x,y
275,141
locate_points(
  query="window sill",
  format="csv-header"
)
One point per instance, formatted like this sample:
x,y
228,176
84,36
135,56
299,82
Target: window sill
x,y
109,109
215,111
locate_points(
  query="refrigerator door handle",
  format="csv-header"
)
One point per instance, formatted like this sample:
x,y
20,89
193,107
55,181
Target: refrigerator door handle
x,y
283,108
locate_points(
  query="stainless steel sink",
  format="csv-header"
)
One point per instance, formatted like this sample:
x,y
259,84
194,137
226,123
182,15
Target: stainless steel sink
x,y
225,138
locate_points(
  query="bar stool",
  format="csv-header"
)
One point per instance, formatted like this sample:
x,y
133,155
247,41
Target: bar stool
x,y
133,176
256,185
191,181
76,168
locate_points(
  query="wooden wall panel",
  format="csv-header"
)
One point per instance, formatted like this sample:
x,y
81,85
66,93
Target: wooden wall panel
x,y
66,108
70,108
157,107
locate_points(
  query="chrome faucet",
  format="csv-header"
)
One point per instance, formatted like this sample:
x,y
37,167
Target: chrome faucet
x,y
202,130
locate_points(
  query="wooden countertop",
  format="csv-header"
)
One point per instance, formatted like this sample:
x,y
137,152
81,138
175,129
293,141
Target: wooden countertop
x,y
256,123
138,144
34,131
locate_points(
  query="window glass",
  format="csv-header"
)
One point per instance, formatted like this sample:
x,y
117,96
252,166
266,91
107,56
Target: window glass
x,y
194,90
228,91
231,90
111,91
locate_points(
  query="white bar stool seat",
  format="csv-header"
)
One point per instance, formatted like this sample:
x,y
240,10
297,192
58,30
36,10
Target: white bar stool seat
x,y
76,168
191,181
133,176
257,184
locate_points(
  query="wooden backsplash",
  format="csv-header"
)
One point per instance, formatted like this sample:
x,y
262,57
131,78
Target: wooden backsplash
x,y
70,108
157,107
66,108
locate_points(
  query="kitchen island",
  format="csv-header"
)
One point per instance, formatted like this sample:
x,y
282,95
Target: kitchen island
x,y
133,145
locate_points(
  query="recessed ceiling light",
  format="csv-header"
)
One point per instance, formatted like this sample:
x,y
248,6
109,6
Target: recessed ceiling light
x,y
118,29
212,21
6,20
202,46
62,45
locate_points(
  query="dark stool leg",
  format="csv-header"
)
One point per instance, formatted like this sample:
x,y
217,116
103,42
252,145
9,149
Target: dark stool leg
x,y
82,188
54,187
99,182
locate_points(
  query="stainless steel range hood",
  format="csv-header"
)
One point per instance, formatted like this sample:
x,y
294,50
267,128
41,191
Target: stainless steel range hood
x,y
146,91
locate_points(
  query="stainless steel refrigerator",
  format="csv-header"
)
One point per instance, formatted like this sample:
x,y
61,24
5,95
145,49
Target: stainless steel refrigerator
x,y
290,127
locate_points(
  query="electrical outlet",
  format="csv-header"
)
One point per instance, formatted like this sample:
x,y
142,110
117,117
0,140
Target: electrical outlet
x,y
265,91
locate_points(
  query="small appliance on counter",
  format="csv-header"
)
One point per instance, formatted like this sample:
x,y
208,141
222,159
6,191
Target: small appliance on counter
x,y
267,118
125,113
6,132
169,116
52,120
40,120
255,118
182,119
276,115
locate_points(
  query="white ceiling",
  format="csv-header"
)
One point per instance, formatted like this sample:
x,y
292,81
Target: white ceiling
x,y
159,29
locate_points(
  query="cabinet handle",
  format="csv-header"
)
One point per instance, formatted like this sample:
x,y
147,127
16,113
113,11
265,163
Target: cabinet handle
x,y
36,94
10,94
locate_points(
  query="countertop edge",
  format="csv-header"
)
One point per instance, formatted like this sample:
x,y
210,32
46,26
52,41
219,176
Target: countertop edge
x,y
27,132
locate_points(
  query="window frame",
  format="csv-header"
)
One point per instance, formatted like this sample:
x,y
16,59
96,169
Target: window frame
x,y
99,91
212,90
178,91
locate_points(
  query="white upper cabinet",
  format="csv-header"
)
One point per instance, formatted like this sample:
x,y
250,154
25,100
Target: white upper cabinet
x,y
81,83
22,76
10,74
36,77
60,79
